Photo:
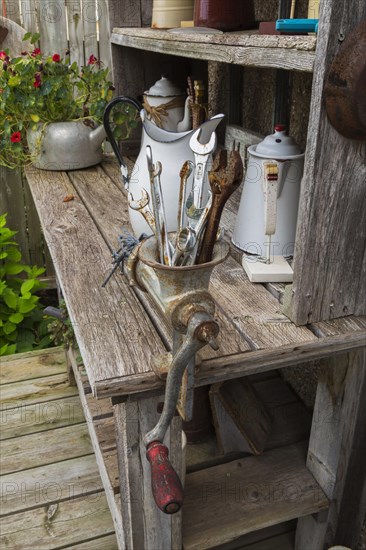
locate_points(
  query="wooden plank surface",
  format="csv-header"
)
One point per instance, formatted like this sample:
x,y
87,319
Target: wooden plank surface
x,y
106,543
330,258
40,416
78,519
46,485
38,449
249,56
52,27
227,501
33,364
128,341
28,392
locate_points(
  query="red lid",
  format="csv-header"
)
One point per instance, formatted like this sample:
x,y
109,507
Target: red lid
x,y
280,127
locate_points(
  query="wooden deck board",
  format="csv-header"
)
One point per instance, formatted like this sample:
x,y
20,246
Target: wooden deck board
x,y
34,364
51,492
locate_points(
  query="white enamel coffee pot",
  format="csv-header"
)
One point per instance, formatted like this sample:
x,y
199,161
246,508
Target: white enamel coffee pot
x,y
167,106
269,204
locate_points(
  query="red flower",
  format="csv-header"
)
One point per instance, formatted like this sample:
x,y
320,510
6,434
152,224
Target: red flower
x,y
92,60
15,137
56,58
35,52
24,53
3,55
37,80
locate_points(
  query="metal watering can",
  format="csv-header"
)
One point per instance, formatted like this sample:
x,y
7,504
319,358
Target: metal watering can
x,y
171,149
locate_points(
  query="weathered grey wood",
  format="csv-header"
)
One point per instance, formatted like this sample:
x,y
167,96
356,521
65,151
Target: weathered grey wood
x,y
75,28
49,484
90,28
29,15
31,451
32,364
238,48
145,526
330,260
77,519
227,501
34,234
128,341
107,543
52,27
336,455
105,51
108,468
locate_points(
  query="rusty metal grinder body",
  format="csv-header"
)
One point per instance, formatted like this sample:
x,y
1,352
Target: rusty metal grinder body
x,y
182,295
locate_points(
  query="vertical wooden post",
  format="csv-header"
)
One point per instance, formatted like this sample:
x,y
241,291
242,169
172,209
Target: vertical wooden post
x,y
337,454
144,524
330,259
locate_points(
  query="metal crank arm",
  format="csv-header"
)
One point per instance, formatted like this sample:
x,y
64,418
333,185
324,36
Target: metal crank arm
x,y
166,486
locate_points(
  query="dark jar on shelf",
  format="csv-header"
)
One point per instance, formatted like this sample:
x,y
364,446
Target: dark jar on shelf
x,y
225,15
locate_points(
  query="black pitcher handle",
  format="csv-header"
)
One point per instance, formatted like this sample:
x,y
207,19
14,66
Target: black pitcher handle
x,y
106,122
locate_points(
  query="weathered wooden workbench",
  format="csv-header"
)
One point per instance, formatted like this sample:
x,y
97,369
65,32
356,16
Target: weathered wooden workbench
x,y
119,331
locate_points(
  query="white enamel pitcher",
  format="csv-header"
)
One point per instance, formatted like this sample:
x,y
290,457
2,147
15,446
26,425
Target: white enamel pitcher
x,y
171,149
269,204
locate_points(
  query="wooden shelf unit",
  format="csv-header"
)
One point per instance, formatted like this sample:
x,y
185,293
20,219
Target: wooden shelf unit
x,y
246,48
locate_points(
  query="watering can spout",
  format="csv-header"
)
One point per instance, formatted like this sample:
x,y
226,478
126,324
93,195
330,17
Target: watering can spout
x,y
97,136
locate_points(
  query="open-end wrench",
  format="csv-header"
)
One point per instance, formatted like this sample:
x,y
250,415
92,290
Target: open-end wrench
x,y
225,177
158,209
190,237
142,205
201,155
184,174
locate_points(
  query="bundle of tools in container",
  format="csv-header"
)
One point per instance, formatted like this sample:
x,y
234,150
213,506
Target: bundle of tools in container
x,y
198,223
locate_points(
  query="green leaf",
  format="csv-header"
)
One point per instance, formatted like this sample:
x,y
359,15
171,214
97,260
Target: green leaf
x,y
13,254
27,286
13,269
9,327
35,37
25,306
3,255
16,318
10,298
27,36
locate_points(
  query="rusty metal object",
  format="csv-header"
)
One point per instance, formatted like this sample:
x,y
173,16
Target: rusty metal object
x,y
225,177
345,87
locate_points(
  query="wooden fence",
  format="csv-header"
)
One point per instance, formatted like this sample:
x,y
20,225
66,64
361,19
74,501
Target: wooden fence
x,y
82,27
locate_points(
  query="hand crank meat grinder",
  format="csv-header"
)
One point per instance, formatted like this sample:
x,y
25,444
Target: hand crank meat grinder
x,y
181,293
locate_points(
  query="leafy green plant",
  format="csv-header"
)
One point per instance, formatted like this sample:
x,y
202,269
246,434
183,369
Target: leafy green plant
x,y
38,90
23,326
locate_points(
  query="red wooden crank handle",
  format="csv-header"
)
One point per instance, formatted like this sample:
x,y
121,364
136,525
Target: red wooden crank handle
x,y
165,483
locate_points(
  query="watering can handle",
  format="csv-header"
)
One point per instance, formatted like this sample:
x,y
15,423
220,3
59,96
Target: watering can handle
x,y
166,487
109,131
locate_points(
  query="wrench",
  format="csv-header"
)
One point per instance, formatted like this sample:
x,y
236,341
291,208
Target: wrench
x,y
142,206
158,209
201,155
225,177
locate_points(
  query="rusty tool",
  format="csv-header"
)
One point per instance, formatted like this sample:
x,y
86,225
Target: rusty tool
x,y
184,174
224,177
158,209
142,205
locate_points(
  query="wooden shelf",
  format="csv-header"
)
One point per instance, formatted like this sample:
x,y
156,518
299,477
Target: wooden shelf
x,y
246,48
227,501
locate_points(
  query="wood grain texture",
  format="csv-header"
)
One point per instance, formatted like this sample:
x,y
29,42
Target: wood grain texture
x,y
46,485
78,519
75,29
32,364
336,455
227,501
330,260
128,341
31,451
90,28
103,439
52,27
106,543
248,55
27,392
40,416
